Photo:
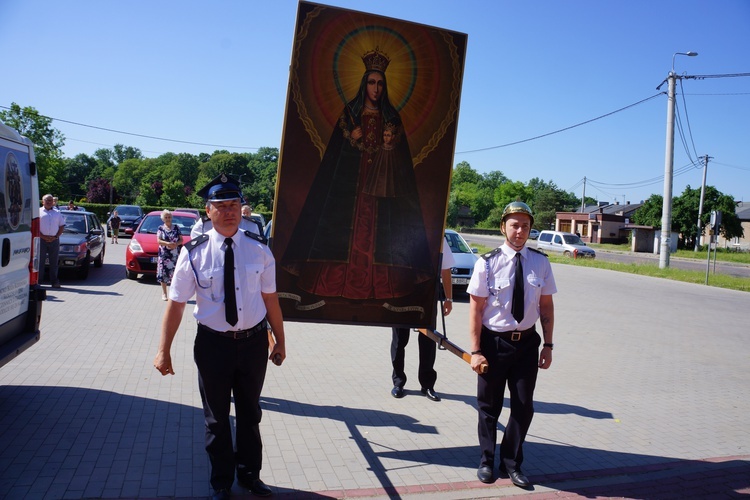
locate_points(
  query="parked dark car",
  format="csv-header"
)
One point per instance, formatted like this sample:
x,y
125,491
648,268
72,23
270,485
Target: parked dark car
x,y
131,216
82,242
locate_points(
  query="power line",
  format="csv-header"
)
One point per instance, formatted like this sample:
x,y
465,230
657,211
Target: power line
x,y
562,129
143,135
732,166
690,131
643,183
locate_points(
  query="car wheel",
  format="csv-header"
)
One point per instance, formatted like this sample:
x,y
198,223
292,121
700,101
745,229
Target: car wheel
x,y
99,261
131,275
567,254
83,272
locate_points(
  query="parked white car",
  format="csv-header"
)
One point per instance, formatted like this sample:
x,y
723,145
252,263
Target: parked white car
x,y
567,244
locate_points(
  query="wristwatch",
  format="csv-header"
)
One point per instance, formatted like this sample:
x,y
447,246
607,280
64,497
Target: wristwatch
x,y
549,344
448,299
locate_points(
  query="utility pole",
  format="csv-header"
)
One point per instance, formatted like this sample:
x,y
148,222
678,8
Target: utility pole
x,y
700,206
583,197
666,214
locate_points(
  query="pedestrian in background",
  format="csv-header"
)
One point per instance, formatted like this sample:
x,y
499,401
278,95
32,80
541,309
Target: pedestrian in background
x,y
170,241
427,347
51,226
114,226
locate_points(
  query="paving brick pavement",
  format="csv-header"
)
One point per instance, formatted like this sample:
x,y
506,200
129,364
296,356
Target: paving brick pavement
x,y
646,398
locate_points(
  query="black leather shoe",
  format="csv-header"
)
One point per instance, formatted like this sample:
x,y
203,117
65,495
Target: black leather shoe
x,y
484,473
222,494
253,483
431,394
516,477
397,392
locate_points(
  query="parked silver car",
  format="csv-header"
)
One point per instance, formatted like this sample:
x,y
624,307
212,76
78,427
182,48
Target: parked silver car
x,y
567,244
465,258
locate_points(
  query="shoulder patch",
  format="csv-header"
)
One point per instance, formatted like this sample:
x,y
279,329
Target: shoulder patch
x,y
199,240
492,253
537,251
256,237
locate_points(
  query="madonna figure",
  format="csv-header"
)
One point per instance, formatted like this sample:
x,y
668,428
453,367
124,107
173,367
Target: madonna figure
x,y
361,234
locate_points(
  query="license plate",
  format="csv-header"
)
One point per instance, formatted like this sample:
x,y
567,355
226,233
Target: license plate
x,y
154,260
460,281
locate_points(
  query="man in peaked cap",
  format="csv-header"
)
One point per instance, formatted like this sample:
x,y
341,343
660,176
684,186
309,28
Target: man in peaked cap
x,y
232,275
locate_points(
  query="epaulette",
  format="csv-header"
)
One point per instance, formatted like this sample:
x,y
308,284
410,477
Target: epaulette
x,y
492,253
256,237
190,245
537,251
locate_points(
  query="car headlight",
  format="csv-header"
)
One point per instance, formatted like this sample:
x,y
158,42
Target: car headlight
x,y
81,248
454,270
135,246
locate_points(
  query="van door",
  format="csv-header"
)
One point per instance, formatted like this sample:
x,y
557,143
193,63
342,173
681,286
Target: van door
x,y
20,301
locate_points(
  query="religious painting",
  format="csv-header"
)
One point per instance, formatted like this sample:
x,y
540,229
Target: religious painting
x,y
365,168
15,204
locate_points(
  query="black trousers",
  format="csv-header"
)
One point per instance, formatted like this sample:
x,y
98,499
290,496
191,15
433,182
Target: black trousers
x,y
427,354
227,366
51,250
517,365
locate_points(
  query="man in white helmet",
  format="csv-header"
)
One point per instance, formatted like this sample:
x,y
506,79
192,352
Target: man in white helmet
x,y
510,289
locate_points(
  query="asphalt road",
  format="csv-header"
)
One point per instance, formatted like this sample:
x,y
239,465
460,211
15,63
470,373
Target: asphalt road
x,y
738,270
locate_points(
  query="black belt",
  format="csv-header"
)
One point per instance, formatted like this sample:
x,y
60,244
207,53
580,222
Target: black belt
x,y
237,334
512,335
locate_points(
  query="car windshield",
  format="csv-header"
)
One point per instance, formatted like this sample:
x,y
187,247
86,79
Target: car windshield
x,y
75,223
152,222
457,243
572,239
128,211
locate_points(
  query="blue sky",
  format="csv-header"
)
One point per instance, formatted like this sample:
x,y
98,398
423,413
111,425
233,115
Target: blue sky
x,y
216,73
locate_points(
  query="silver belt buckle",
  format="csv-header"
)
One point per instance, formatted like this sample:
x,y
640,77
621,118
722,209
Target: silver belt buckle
x,y
515,336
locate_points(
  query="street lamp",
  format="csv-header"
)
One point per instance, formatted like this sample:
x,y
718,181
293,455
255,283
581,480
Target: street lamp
x,y
666,215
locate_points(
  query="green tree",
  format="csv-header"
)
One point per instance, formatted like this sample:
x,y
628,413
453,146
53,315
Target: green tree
x,y
48,143
685,214
262,168
649,214
464,174
77,172
128,177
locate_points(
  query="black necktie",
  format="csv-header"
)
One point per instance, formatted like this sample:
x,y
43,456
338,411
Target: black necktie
x,y
230,300
517,307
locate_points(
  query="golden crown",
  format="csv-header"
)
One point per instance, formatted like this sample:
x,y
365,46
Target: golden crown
x,y
376,60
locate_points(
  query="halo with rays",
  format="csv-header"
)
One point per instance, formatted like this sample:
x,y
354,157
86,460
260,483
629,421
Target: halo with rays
x,y
423,76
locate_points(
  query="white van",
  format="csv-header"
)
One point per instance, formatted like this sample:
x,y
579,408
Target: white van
x,y
20,295
568,244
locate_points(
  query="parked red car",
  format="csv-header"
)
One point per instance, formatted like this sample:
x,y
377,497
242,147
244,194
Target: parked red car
x,y
141,254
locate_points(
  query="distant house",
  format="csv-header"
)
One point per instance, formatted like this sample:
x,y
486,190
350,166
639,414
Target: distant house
x,y
743,214
602,223
464,217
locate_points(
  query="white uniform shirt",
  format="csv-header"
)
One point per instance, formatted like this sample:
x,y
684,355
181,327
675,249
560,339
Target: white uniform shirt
x,y
201,227
255,272
50,221
497,287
